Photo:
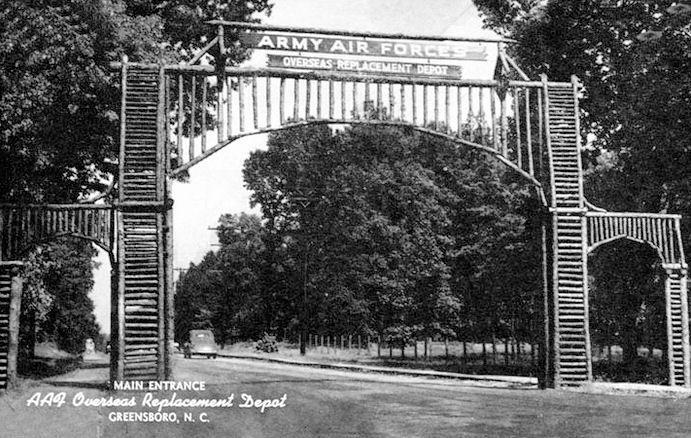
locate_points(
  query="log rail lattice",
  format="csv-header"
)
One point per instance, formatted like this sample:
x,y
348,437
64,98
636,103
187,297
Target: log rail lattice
x,y
663,233
175,116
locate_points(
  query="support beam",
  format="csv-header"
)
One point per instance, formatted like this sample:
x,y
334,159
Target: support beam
x,y
685,327
546,359
677,326
115,368
13,339
169,289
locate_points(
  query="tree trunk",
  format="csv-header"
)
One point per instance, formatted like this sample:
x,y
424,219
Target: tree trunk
x,y
15,311
28,341
629,349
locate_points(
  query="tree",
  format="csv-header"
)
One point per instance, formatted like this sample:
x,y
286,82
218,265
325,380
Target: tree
x,y
195,297
59,99
398,232
245,307
36,301
59,117
56,305
71,320
628,304
633,59
230,291
370,230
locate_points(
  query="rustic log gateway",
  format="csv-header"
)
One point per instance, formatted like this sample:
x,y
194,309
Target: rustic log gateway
x,y
174,116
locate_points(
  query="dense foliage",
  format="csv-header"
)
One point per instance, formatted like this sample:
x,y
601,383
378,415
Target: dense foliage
x,y
633,59
59,117
58,96
55,303
372,230
230,290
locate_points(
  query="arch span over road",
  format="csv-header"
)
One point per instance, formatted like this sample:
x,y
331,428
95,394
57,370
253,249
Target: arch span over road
x,y
174,116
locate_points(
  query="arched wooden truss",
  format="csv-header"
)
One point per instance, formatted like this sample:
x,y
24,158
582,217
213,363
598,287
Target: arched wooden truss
x,y
175,116
23,226
663,233
476,114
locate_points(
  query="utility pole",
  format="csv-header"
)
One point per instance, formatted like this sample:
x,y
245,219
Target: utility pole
x,y
303,320
304,199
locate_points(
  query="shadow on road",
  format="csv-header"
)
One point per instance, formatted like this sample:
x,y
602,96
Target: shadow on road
x,y
93,365
96,384
255,382
42,367
68,371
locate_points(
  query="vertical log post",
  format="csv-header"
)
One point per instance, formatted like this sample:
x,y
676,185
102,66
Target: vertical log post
x,y
546,351
169,289
670,339
494,350
220,84
685,328
114,321
13,338
118,311
162,160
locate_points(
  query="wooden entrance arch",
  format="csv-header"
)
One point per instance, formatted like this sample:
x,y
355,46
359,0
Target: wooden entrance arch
x,y
174,116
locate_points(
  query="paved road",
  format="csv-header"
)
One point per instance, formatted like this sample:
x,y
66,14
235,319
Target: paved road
x,y
328,403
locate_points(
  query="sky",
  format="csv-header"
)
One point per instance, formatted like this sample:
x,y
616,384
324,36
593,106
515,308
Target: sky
x,y
216,186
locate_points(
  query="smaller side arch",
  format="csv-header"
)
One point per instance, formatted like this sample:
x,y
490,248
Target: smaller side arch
x,y
24,226
660,231
658,250
29,245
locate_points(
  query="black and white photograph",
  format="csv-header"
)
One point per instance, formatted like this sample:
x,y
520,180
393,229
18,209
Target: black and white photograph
x,y
331,218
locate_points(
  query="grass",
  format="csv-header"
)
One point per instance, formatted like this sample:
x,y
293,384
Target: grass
x,y
437,359
647,368
642,370
48,361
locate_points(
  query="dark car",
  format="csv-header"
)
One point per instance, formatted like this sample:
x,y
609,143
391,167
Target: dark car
x,y
201,342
